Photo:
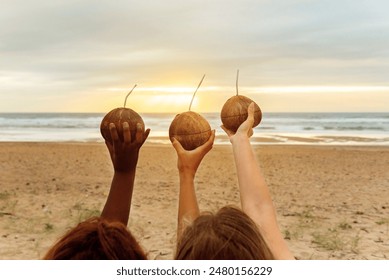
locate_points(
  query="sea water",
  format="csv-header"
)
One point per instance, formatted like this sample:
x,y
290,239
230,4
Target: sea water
x,y
275,128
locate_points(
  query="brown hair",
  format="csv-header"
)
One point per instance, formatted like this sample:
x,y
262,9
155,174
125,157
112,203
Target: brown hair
x,y
96,239
227,235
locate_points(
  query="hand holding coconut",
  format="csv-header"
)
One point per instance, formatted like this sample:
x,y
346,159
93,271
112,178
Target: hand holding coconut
x,y
118,116
189,161
124,132
246,128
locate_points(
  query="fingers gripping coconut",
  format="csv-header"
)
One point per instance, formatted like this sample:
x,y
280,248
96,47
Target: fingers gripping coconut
x,y
190,128
118,116
234,111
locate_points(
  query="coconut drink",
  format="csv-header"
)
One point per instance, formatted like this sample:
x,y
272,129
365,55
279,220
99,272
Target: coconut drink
x,y
190,128
234,111
118,116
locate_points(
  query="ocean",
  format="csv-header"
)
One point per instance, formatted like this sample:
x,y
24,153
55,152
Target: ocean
x,y
275,128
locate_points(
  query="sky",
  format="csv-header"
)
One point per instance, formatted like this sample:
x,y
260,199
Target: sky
x,y
292,55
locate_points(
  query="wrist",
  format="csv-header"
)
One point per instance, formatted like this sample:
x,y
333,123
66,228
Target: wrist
x,y
187,173
239,138
125,173
125,167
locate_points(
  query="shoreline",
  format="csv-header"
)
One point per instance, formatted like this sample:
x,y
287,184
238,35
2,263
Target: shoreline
x,y
331,201
277,139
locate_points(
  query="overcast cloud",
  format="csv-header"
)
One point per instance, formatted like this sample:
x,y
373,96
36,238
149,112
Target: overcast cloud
x,y
54,50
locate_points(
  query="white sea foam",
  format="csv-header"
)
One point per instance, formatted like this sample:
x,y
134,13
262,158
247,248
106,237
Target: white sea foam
x,y
275,128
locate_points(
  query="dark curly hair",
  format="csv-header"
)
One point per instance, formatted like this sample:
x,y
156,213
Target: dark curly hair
x,y
97,239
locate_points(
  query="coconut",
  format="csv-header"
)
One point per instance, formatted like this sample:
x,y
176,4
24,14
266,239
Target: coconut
x,y
190,129
118,116
234,112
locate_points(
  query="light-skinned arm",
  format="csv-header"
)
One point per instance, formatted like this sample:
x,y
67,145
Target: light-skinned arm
x,y
187,164
255,196
124,157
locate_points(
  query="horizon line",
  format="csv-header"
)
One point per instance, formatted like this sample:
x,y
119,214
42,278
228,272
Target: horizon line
x,y
202,112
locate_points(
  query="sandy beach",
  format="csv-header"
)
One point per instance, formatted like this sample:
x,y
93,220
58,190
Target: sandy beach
x,y
332,201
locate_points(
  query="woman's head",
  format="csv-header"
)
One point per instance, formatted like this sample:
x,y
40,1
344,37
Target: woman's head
x,y
96,239
229,234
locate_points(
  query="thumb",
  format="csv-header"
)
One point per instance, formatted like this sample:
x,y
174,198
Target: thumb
x,y
227,131
207,146
177,145
250,111
145,135
250,115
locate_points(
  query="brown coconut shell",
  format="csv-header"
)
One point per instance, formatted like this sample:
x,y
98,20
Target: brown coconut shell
x,y
118,116
190,129
234,112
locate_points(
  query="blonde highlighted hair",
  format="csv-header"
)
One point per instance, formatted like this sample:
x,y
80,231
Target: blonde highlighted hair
x,y
227,235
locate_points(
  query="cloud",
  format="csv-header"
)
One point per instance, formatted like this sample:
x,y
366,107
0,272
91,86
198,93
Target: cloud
x,y
79,46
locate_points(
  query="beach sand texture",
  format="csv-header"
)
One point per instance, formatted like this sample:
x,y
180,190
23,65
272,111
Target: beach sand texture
x,y
332,201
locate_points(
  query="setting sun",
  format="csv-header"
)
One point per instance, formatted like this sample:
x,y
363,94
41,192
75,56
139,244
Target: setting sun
x,y
162,102
161,99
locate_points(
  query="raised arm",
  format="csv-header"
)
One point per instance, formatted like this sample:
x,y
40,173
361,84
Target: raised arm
x,y
254,193
187,164
124,156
